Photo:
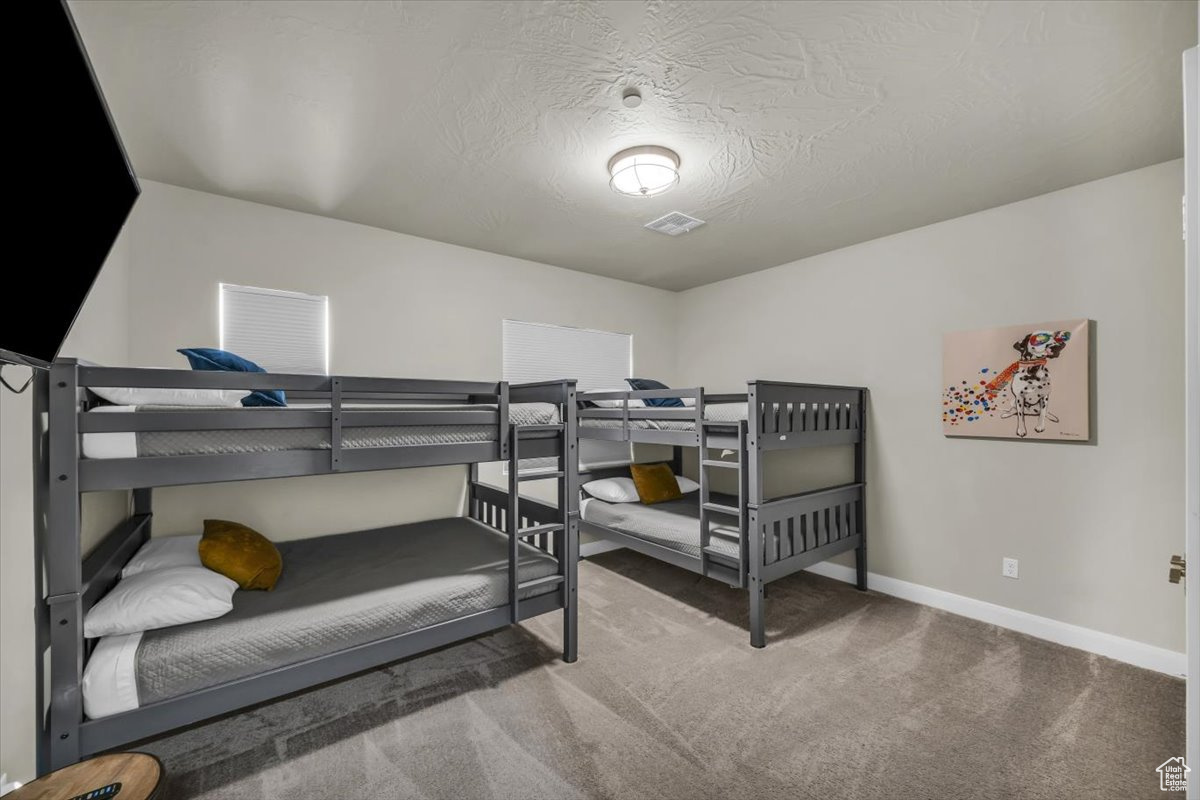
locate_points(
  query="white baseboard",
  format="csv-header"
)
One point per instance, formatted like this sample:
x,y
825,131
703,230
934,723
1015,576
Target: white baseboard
x,y
1139,654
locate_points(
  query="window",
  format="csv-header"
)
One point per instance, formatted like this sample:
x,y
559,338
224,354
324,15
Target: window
x,y
280,331
596,359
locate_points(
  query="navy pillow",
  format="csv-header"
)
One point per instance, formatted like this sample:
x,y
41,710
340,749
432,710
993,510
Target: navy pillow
x,y
214,360
638,384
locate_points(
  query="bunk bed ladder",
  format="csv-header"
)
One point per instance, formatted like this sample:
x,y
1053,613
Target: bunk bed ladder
x,y
708,508
512,517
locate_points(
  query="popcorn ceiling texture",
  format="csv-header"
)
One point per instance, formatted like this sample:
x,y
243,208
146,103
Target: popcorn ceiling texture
x,y
802,127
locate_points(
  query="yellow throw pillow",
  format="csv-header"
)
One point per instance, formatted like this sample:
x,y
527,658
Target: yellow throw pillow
x,y
241,554
655,483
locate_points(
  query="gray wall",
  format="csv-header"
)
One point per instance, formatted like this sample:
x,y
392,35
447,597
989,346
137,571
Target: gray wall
x,y
1093,525
399,305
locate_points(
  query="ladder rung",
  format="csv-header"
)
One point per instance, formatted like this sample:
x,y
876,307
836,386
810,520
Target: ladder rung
x,y
539,476
721,508
549,580
536,428
537,530
713,552
726,464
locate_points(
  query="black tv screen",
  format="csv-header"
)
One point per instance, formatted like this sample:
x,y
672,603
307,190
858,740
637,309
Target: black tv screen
x,y
83,189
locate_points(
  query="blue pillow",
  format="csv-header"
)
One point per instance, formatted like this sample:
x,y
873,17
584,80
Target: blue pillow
x,y
639,384
214,360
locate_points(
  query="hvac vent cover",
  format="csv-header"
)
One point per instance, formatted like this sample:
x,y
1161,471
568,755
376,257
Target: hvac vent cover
x,y
674,224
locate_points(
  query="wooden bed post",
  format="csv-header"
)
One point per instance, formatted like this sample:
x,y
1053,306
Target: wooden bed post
x,y
41,474
568,504
752,457
64,567
677,460
860,477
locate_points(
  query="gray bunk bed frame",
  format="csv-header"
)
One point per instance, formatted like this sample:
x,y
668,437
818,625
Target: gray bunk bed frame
x,y
73,583
777,536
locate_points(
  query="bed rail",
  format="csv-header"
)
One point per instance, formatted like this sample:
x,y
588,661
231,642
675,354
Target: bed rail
x,y
803,529
782,416
340,412
786,415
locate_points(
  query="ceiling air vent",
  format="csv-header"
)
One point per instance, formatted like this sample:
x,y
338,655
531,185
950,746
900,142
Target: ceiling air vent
x,y
674,224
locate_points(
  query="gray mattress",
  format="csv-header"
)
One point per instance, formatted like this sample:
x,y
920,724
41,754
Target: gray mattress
x,y
337,592
269,440
674,524
731,413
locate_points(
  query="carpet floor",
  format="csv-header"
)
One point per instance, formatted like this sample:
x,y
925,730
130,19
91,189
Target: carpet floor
x,y
857,695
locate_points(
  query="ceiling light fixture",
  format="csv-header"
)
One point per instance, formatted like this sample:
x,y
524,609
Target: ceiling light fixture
x,y
644,171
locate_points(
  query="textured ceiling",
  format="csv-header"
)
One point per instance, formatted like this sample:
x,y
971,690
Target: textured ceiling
x,y
802,127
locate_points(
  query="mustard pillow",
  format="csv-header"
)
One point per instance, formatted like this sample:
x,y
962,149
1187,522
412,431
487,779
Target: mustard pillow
x,y
655,483
241,554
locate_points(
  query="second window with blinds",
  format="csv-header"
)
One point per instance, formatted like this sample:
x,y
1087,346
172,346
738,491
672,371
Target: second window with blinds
x,y
280,331
596,359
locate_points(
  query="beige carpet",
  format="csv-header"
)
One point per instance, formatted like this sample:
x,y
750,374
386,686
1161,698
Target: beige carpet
x,y
856,696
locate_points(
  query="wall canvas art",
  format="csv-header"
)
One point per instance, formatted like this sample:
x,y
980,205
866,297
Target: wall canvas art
x,y
1017,382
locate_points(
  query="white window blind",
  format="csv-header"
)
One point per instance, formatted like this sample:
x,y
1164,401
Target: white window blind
x,y
596,359
280,331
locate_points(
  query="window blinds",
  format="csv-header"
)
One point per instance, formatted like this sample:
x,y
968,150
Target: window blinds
x,y
280,331
596,359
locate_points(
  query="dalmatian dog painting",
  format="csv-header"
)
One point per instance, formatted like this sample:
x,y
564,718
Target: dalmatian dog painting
x,y
986,393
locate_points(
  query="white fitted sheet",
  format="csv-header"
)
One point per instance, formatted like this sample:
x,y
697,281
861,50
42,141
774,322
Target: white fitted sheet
x,y
110,679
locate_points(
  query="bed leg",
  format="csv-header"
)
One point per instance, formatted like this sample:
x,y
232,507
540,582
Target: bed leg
x,y
860,567
571,591
758,621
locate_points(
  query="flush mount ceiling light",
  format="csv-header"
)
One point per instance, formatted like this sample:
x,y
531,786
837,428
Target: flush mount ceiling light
x,y
644,171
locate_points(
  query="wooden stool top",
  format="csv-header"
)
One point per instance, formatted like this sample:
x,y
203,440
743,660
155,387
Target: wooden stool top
x,y
137,773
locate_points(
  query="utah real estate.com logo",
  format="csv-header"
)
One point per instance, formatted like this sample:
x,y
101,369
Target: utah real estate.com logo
x,y
1172,775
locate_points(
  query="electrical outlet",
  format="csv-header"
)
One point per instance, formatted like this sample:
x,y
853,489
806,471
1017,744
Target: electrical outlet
x,y
1009,568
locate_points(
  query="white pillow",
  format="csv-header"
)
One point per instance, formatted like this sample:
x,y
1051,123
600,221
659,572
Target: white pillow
x,y
127,396
169,551
623,490
613,490
618,403
160,598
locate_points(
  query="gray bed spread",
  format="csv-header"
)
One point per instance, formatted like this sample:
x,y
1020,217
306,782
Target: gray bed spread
x,y
674,524
337,592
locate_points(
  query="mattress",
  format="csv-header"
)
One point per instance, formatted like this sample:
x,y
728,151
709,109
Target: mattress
x,y
731,413
335,592
134,444
674,524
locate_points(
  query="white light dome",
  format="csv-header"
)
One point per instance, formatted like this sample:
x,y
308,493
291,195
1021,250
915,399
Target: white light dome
x,y
644,171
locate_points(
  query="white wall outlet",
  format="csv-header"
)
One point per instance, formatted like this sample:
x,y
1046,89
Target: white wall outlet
x,y
1009,568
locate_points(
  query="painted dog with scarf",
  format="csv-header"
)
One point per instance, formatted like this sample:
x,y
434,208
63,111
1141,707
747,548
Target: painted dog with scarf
x,y
1029,378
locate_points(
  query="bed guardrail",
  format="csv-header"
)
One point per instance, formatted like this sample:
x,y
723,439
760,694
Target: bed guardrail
x,y
339,414
785,415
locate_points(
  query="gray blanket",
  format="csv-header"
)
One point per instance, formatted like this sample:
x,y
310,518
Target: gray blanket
x,y
674,524
337,592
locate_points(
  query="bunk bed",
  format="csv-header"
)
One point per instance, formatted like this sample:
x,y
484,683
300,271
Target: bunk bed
x,y
747,540
345,603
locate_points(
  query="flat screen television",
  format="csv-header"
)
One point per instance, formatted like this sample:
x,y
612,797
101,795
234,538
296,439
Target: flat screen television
x,y
81,189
